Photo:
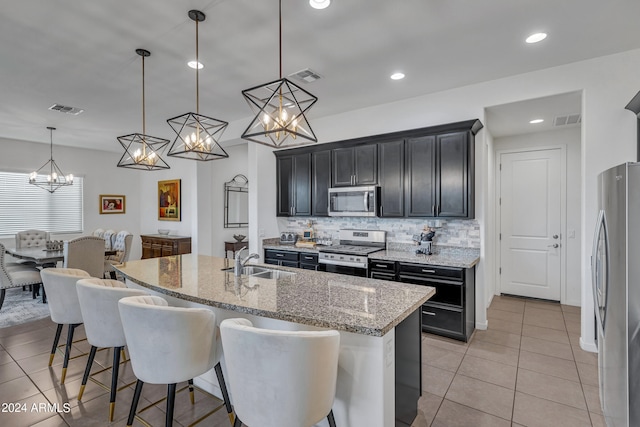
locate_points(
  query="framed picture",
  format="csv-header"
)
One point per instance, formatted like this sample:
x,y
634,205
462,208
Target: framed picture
x,y
169,200
112,204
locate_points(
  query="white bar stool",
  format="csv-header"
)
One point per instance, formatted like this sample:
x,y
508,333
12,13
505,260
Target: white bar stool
x,y
60,287
168,345
280,378
99,306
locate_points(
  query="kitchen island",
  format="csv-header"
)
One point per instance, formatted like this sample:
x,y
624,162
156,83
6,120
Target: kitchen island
x,y
379,322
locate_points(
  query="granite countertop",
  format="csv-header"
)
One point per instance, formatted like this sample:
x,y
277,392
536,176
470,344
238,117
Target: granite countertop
x,y
293,248
444,256
325,300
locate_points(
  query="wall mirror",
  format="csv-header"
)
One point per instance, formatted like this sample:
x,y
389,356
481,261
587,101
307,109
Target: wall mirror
x,y
236,202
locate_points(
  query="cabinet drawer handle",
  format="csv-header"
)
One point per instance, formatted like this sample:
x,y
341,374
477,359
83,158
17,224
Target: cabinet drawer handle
x,y
308,257
428,271
279,254
381,266
430,313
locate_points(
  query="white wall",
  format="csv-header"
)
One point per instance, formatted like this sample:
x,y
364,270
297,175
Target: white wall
x,y
237,163
101,176
571,139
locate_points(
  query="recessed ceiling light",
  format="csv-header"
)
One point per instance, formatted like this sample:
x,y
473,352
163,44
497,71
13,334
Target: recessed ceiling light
x,y
535,38
397,76
319,4
193,65
534,121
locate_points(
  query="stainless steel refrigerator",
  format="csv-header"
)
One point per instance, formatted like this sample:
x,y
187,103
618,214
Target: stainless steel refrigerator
x,y
615,267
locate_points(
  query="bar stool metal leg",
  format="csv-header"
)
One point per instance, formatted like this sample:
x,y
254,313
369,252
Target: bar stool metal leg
x,y
55,343
87,371
67,351
237,423
114,381
192,397
134,402
171,398
332,421
225,393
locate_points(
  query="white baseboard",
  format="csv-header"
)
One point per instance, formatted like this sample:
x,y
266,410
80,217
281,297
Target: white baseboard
x,y
482,325
588,346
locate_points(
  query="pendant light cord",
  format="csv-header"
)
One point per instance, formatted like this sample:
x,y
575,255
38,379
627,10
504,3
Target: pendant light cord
x,y
280,34
144,131
197,73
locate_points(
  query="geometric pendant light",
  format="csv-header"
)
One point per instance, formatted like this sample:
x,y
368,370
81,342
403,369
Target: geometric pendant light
x,y
279,108
142,151
198,136
49,176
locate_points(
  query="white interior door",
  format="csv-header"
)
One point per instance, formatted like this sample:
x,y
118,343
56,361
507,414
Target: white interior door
x,y
530,223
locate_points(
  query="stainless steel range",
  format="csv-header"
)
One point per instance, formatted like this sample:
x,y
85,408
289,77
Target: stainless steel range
x,y
351,255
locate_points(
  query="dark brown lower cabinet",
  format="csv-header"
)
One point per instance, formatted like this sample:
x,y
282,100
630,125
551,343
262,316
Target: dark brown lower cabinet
x,y
451,311
158,245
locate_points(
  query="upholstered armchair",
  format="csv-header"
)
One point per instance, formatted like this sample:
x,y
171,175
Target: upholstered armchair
x,y
122,246
98,232
15,278
85,253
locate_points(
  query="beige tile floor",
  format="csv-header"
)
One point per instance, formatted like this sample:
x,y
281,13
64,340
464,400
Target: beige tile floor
x,y
527,369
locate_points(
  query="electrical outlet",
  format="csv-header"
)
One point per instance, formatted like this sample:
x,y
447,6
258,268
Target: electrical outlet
x,y
261,232
572,234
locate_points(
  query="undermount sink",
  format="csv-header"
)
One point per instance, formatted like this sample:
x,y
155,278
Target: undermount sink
x,y
264,273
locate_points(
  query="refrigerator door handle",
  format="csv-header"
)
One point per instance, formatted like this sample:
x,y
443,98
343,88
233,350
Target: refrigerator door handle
x,y
600,225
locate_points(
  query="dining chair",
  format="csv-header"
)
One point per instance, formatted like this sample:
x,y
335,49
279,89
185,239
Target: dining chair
x,y
29,239
280,378
108,239
122,246
85,253
169,345
15,278
98,232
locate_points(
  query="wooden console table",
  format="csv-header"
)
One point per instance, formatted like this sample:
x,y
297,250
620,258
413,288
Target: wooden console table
x,y
234,247
159,245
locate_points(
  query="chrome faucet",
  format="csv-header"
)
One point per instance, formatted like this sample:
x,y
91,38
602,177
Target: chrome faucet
x,y
240,263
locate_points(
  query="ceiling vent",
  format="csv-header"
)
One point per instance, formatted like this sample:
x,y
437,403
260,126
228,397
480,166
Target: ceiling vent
x,y
66,110
307,75
569,119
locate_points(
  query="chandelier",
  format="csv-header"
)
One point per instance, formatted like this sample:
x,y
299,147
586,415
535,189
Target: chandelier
x,y
280,108
198,136
142,151
49,176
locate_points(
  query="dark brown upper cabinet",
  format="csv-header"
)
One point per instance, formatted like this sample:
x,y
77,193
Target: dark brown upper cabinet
x,y
355,165
440,176
427,172
320,182
391,175
294,185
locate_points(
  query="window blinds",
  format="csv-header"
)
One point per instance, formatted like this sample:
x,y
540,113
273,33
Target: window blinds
x,y
24,206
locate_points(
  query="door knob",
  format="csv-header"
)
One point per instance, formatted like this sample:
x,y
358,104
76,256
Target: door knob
x,y
555,245
555,236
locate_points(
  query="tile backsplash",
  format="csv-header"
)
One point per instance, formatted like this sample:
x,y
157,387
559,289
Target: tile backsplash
x,y
449,232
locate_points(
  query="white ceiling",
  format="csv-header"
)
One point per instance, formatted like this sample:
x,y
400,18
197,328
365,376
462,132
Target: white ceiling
x,y
82,54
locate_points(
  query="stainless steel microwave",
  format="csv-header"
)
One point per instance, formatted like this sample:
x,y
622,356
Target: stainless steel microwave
x,y
354,201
